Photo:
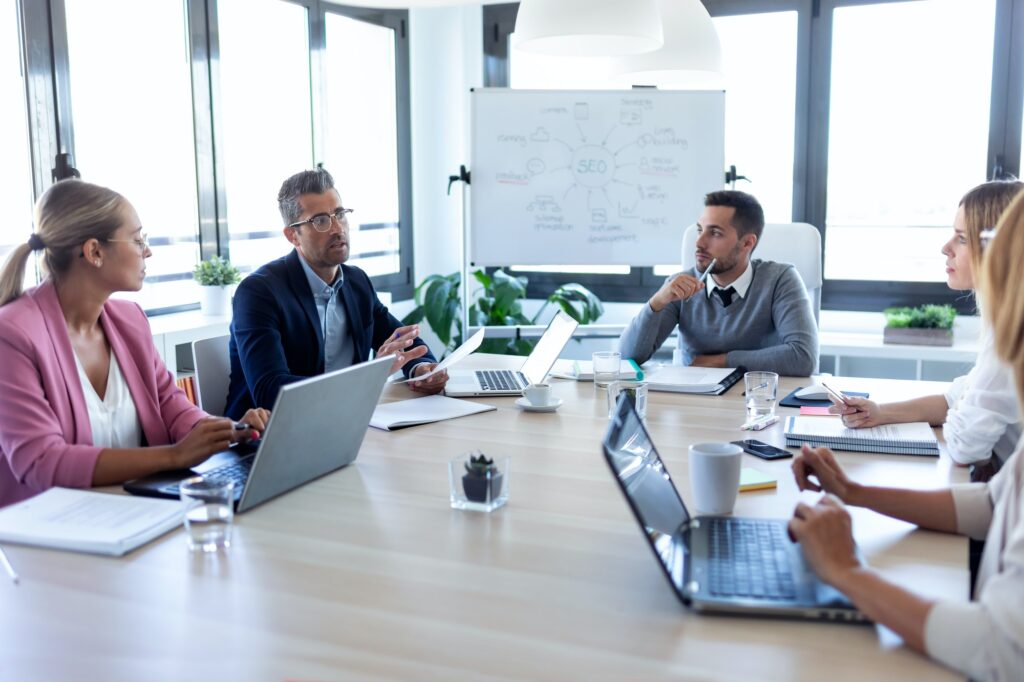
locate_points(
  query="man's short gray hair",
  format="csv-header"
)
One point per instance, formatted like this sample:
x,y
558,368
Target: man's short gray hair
x,y
315,181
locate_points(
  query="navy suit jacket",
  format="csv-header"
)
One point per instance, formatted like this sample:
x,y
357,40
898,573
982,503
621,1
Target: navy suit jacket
x,y
276,337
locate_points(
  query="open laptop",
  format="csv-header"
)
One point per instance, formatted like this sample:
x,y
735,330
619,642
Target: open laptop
x,y
475,382
715,563
317,425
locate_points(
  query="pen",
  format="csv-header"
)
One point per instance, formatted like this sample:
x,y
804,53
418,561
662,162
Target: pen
x,y
760,423
708,271
7,566
835,394
241,426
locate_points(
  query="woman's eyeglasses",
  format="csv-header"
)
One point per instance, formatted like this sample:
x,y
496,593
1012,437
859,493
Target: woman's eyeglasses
x,y
142,242
321,222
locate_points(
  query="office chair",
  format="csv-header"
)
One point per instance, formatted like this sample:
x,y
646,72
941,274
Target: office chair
x,y
796,243
213,373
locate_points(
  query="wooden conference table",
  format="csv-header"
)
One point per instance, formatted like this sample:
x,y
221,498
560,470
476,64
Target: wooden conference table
x,y
367,572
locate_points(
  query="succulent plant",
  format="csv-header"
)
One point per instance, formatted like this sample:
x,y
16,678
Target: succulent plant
x,y
480,466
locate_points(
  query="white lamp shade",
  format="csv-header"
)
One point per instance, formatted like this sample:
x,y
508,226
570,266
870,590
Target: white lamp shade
x,y
589,28
690,57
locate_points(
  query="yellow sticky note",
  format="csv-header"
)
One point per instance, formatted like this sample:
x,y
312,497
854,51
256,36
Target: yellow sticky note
x,y
753,479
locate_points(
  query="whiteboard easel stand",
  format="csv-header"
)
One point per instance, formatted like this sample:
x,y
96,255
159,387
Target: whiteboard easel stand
x,y
464,178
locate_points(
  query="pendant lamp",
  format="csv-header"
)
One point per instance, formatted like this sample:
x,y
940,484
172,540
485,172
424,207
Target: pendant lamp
x,y
690,57
589,28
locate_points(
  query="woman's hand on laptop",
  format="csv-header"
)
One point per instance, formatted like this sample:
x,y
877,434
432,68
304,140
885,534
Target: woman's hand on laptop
x,y
209,436
821,464
256,420
402,338
430,385
825,534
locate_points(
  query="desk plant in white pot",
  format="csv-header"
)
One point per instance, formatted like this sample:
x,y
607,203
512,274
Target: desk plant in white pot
x,y
217,278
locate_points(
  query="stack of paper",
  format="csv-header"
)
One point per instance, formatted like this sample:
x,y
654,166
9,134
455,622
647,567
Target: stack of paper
x,y
682,379
87,521
433,408
914,438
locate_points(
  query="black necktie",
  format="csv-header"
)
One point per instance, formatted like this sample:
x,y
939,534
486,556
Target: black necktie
x,y
725,295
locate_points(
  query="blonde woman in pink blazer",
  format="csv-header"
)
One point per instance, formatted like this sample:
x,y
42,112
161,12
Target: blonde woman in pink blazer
x,y
84,398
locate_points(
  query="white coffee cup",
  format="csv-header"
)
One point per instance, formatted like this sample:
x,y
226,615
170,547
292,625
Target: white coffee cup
x,y
538,395
715,476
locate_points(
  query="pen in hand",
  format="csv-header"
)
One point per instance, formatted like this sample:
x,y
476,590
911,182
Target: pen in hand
x,y
708,271
7,566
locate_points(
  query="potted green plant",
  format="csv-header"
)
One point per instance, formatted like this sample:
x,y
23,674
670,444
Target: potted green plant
x,y
498,302
217,278
926,325
482,480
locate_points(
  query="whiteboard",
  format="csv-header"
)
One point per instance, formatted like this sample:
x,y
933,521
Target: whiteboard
x,y
590,177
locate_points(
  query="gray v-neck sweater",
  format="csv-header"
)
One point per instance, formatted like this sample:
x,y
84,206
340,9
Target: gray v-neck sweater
x,y
771,328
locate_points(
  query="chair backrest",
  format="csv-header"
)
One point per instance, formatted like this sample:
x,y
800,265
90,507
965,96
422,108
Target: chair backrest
x,y
796,243
213,373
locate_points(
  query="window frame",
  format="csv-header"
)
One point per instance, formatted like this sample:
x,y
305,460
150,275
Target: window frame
x,y
51,131
810,165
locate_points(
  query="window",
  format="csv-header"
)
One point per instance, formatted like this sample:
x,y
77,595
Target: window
x,y
266,119
361,149
131,99
908,133
15,174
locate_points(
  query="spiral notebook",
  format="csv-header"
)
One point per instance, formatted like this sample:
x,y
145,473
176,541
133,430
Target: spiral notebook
x,y
915,438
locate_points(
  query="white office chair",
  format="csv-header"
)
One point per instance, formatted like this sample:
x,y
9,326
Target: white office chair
x,y
796,243
213,373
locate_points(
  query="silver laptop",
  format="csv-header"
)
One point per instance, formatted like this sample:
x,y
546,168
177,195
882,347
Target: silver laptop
x,y
469,382
317,425
715,563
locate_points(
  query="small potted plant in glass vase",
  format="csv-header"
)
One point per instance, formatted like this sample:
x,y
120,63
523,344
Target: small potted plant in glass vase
x,y
217,278
484,486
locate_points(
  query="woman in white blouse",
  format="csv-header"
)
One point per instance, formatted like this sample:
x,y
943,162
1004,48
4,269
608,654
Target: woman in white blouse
x,y
979,414
982,638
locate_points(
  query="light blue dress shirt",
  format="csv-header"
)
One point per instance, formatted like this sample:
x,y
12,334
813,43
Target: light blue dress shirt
x,y
339,351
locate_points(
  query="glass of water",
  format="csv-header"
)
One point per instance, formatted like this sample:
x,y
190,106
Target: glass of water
x,y
209,511
606,367
636,394
762,391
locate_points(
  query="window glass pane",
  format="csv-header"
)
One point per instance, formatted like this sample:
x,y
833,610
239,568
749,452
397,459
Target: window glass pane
x,y
908,133
759,59
362,141
266,119
15,176
131,98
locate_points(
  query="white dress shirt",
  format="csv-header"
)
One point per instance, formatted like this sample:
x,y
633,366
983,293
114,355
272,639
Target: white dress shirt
x,y
741,284
984,415
113,418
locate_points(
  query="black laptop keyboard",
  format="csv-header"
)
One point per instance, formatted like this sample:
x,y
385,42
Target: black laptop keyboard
x,y
747,560
499,380
237,471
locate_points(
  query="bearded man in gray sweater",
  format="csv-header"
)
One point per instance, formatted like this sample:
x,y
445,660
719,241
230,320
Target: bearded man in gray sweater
x,y
750,313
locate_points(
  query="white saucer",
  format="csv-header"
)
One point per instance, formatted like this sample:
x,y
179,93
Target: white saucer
x,y
530,407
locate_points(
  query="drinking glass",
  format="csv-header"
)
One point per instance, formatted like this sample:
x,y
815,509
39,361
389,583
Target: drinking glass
x,y
762,389
606,367
209,512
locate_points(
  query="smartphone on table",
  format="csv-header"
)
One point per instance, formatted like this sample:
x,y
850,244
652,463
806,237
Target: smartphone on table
x,y
761,449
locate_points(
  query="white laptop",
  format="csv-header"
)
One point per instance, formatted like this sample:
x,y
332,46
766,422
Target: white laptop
x,y
476,382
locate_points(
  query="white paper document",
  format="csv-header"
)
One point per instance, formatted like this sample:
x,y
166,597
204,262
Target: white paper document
x,y
683,379
432,408
459,353
88,521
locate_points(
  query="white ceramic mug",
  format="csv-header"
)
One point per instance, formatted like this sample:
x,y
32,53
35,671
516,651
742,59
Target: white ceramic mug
x,y
538,395
715,476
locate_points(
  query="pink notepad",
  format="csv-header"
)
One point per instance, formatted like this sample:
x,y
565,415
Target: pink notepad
x,y
815,411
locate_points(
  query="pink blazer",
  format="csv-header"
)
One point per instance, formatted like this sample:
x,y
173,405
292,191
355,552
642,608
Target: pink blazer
x,y
45,435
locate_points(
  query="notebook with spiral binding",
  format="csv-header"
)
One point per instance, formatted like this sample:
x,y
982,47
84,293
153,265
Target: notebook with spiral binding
x,y
915,438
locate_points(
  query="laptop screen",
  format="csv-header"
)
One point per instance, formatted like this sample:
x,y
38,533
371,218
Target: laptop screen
x,y
647,486
550,346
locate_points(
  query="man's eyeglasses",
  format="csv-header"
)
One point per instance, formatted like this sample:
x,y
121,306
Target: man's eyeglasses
x,y
321,222
142,242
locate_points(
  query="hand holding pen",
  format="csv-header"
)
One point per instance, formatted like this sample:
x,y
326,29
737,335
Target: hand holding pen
x,y
402,338
679,287
857,413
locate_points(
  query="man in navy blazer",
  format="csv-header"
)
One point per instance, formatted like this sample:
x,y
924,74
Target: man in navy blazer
x,y
307,313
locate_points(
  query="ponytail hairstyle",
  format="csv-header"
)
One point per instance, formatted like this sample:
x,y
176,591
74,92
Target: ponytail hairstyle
x,y
68,214
1002,273
982,207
